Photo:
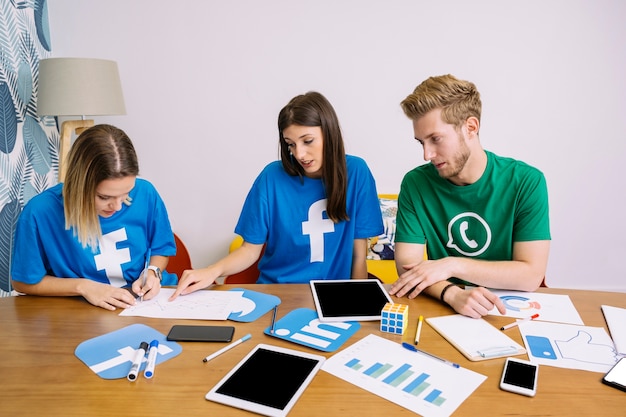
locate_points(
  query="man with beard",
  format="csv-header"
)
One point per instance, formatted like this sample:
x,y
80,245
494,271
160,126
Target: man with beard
x,y
482,218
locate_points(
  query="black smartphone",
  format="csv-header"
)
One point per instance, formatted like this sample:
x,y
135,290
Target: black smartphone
x,y
616,377
185,333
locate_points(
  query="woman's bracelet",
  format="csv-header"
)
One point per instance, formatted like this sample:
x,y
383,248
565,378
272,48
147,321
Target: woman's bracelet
x,y
443,292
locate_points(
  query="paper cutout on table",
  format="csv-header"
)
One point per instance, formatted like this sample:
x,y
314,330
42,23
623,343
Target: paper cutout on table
x,y
417,382
615,318
252,305
569,346
476,339
550,307
302,326
201,305
111,355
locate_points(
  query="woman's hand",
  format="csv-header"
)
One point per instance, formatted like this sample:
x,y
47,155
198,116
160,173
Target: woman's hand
x,y
193,280
106,296
150,289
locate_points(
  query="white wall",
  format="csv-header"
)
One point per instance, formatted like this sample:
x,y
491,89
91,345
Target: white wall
x,y
204,81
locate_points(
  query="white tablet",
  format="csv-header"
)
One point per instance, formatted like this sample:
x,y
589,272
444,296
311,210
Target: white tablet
x,y
349,299
268,381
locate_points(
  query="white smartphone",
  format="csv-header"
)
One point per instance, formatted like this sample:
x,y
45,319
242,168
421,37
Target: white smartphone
x,y
616,377
519,376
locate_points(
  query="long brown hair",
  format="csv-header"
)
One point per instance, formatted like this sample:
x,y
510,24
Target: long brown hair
x,y
313,109
100,153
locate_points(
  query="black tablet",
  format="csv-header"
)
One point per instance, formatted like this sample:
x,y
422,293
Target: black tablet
x,y
349,299
268,381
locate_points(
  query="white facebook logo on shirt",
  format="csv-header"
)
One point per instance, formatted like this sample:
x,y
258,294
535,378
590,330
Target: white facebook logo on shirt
x,y
111,258
315,227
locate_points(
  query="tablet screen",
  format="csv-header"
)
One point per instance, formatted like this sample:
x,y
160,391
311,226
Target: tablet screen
x,y
268,380
349,300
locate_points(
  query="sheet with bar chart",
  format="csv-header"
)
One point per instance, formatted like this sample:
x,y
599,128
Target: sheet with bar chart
x,y
415,381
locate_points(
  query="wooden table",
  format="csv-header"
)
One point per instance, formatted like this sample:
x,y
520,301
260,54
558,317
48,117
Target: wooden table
x,y
40,375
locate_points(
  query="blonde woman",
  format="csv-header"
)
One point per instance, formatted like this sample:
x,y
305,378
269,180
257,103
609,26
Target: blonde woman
x,y
93,235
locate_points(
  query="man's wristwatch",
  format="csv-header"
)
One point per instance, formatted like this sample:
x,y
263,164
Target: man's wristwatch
x,y
157,272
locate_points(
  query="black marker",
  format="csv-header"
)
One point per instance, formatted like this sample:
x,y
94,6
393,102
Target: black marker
x,y
139,355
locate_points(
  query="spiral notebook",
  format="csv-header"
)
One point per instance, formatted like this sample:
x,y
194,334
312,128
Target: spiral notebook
x,y
476,339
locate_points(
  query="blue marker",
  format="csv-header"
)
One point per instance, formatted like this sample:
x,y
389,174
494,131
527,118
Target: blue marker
x,y
152,355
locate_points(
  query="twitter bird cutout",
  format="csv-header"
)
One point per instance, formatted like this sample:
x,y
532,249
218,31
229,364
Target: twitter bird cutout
x,y
253,304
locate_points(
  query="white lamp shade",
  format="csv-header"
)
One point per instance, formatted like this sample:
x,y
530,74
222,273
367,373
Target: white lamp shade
x,y
79,87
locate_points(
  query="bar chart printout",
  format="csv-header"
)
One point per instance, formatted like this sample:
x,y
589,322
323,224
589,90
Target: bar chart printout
x,y
412,380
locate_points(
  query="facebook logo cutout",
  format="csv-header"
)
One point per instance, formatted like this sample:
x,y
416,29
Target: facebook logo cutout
x,y
302,326
111,355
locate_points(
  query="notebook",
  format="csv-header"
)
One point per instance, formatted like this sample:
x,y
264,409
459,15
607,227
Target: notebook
x,y
476,339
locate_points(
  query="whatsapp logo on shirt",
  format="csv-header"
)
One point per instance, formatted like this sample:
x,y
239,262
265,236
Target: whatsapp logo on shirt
x,y
469,234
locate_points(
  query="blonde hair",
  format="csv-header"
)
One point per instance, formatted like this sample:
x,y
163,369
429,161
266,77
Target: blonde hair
x,y
100,153
457,99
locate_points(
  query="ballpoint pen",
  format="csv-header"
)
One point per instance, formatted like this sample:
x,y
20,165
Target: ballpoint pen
x,y
227,347
145,273
414,349
273,319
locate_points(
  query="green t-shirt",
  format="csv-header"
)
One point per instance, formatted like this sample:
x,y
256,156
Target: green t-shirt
x,y
509,203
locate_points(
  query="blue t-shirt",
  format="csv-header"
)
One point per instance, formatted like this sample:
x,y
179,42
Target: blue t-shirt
x,y
44,247
288,214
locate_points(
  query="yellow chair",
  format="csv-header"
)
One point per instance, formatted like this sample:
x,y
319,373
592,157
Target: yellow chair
x,y
384,269
383,246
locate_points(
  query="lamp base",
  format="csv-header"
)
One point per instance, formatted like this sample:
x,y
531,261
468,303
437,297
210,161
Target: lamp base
x,y
67,127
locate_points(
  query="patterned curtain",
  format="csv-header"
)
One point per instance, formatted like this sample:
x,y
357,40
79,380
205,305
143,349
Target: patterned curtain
x,y
29,145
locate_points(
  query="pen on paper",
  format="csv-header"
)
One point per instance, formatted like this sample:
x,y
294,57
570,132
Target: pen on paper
x,y
227,347
153,350
419,329
139,355
145,273
273,319
516,323
414,349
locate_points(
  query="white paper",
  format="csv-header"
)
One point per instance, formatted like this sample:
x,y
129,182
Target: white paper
x,y
569,346
550,307
616,320
201,305
417,382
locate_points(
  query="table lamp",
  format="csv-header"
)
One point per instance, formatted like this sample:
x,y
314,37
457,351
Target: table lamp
x,y
78,87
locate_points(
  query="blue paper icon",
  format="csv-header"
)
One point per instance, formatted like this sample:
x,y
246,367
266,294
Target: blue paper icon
x,y
540,347
111,355
253,305
302,326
